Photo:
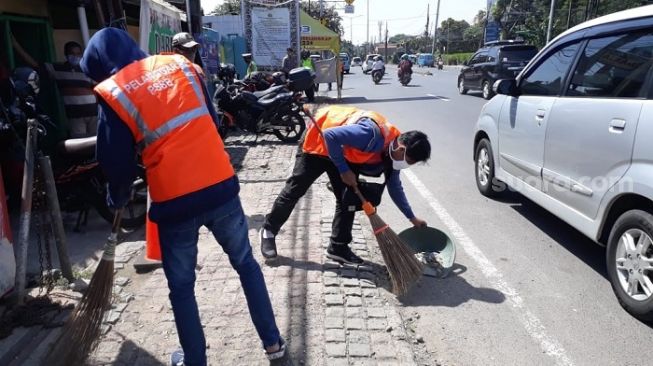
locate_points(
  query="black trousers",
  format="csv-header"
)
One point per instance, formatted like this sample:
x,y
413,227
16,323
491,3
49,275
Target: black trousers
x,y
307,169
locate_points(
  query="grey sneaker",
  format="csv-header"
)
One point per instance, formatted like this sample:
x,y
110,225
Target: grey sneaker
x,y
268,246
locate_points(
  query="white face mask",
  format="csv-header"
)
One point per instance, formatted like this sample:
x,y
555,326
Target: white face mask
x,y
73,60
397,164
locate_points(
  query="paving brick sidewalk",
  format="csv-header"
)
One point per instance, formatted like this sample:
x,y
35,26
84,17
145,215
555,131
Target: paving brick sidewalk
x,y
330,315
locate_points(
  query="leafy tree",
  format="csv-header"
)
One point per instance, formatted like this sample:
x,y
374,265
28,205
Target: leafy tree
x,y
227,7
529,18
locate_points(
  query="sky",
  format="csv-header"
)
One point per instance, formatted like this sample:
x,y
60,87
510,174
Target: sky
x,y
403,16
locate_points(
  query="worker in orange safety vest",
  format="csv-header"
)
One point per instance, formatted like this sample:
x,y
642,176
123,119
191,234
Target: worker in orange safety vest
x,y
158,105
346,142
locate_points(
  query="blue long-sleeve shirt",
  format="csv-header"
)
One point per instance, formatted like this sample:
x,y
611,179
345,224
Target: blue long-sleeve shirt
x,y
365,136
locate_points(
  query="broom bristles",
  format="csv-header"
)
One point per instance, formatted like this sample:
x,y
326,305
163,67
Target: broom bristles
x,y
404,268
80,334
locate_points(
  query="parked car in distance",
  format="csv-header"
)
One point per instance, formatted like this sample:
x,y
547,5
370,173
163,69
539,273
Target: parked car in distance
x,y
356,61
346,65
494,61
369,60
572,133
425,60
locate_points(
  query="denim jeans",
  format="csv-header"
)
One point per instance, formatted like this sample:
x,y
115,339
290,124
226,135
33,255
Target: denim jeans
x,y
179,256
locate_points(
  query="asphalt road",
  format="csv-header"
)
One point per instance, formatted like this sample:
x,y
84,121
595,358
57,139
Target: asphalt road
x,y
527,289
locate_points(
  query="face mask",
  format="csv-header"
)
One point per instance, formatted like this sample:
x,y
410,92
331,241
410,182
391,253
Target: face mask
x,y
73,60
397,164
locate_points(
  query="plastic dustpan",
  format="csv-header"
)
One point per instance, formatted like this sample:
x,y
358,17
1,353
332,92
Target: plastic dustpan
x,y
433,248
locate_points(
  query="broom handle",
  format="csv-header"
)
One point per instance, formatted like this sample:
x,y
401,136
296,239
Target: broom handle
x,y
110,247
367,206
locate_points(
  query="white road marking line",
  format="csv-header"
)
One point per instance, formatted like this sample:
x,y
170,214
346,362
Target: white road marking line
x,y
531,323
438,97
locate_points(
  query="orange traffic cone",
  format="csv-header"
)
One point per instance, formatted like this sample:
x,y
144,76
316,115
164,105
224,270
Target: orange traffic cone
x,y
151,258
152,245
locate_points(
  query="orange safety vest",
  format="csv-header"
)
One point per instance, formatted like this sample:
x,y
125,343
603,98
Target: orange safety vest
x,y
336,116
160,99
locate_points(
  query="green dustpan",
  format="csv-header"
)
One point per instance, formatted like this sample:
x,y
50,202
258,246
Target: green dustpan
x,y
434,249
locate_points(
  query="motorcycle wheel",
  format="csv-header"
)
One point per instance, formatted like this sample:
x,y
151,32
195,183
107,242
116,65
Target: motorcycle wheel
x,y
295,127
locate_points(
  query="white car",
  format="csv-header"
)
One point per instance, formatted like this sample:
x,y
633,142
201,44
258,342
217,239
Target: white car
x,y
573,134
356,61
369,60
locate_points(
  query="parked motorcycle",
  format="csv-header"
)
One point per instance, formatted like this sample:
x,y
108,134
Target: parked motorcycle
x,y
79,181
275,110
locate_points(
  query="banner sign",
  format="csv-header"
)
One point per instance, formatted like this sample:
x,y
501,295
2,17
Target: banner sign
x,y
270,35
158,24
270,28
209,50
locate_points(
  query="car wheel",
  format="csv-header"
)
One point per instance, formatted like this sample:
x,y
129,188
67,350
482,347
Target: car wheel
x,y
487,90
461,86
485,179
630,262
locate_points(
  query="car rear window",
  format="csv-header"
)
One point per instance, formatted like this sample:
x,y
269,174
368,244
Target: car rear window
x,y
517,53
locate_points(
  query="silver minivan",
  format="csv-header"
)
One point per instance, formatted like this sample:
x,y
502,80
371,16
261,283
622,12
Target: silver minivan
x,y
574,133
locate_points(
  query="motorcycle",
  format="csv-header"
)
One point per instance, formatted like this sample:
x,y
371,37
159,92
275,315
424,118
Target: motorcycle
x,y
404,78
79,181
377,75
276,110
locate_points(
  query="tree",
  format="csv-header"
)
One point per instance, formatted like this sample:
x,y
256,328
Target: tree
x,y
228,7
451,35
529,18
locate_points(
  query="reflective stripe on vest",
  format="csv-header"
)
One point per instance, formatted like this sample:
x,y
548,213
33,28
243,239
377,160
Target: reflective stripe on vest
x,y
161,100
149,137
337,116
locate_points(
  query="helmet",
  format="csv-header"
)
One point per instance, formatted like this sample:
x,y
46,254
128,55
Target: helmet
x,y
404,56
279,78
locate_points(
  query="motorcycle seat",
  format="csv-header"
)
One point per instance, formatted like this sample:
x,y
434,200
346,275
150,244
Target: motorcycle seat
x,y
80,146
265,102
272,90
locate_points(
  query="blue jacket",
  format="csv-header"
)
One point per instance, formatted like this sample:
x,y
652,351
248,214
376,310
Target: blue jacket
x,y
108,51
364,136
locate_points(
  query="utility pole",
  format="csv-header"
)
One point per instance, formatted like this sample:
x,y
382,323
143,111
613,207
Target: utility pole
x,y
368,23
569,13
386,41
426,30
321,10
435,32
548,31
380,24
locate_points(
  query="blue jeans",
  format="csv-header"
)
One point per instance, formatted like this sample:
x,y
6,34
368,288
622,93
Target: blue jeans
x,y
179,256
